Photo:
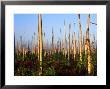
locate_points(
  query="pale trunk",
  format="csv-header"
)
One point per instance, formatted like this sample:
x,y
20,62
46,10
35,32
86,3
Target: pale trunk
x,y
23,53
87,46
41,45
34,44
74,45
64,38
38,41
80,38
52,41
69,43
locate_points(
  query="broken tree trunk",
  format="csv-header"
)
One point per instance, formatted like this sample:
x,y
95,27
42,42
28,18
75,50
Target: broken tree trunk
x,y
87,46
23,53
34,43
69,43
64,39
40,42
74,44
52,49
80,38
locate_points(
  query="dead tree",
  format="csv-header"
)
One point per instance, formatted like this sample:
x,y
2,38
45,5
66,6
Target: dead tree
x,y
87,46
69,43
40,48
64,39
74,43
80,38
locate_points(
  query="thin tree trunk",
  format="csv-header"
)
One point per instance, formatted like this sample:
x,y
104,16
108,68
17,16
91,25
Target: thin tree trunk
x,y
87,46
64,39
74,46
34,43
40,39
69,43
23,53
52,41
80,38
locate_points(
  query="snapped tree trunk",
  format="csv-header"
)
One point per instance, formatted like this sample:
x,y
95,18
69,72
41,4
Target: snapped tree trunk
x,y
87,46
52,41
69,43
40,42
64,39
74,44
80,38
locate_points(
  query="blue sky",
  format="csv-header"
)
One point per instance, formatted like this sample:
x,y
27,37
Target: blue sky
x,y
26,24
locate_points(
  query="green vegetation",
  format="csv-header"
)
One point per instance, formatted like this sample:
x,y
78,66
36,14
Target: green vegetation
x,y
54,65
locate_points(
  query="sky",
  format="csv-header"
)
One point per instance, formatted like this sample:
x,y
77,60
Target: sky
x,y
26,24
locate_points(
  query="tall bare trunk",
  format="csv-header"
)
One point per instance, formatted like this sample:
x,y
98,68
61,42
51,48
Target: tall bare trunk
x,y
60,41
94,42
72,49
44,45
23,53
87,46
64,44
40,40
34,43
21,44
69,43
52,41
74,43
83,43
78,50
80,37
